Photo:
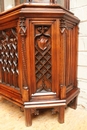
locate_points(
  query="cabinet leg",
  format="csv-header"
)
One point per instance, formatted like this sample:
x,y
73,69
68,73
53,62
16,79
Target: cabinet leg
x,y
61,114
28,120
73,103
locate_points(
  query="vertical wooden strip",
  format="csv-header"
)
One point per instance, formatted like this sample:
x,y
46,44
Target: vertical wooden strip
x,y
0,73
73,55
67,4
66,74
20,66
63,58
63,62
68,59
32,59
3,77
16,77
52,1
28,55
22,44
70,73
55,56
11,77
76,52
17,2
6,77
14,80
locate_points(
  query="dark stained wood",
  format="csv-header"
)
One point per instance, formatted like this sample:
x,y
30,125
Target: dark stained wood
x,y
38,58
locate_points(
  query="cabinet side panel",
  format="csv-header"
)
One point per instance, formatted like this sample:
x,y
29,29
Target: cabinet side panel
x,y
9,57
71,58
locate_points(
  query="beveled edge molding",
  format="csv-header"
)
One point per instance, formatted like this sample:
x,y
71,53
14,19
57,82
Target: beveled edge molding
x,y
53,103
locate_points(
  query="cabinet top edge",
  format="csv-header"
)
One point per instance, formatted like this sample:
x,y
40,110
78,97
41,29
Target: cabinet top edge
x,y
35,5
28,9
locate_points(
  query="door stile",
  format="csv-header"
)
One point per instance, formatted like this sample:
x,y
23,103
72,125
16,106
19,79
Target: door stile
x,y
62,71
32,59
55,56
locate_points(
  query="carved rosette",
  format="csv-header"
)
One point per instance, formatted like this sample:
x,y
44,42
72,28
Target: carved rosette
x,y
43,57
23,32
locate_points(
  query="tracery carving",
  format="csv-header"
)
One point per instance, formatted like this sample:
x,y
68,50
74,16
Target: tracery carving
x,y
63,30
62,25
22,26
35,111
9,56
43,57
23,31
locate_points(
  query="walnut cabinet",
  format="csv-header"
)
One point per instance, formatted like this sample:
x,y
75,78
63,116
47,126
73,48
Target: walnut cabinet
x,y
38,58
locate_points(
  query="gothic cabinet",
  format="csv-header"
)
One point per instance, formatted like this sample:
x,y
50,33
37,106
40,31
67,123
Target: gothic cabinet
x,y
38,58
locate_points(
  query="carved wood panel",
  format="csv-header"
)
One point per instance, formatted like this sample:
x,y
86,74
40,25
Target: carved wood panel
x,y
43,57
9,57
68,54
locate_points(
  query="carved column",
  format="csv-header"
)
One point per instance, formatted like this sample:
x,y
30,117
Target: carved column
x,y
23,33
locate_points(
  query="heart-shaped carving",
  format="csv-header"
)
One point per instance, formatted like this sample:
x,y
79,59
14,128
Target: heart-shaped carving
x,y
43,43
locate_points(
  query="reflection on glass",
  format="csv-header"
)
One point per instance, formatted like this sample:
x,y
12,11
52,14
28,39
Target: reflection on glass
x,y
40,1
1,6
60,2
7,4
21,1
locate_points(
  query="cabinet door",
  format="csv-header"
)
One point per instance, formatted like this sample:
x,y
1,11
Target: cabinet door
x,y
44,47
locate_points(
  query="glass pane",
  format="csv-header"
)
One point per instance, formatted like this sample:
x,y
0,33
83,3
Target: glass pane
x,y
60,2
1,5
40,1
21,1
8,4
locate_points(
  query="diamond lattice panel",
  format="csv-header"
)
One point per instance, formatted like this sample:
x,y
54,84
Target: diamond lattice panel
x,y
43,58
9,57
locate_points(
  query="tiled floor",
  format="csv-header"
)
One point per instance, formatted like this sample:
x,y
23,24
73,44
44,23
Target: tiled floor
x,y
11,118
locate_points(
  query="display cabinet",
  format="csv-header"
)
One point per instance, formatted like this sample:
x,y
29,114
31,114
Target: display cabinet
x,y
38,58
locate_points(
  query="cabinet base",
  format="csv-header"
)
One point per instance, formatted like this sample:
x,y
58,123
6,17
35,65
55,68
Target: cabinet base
x,y
59,104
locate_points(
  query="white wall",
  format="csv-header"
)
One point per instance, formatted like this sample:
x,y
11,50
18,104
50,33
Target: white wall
x,y
79,8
